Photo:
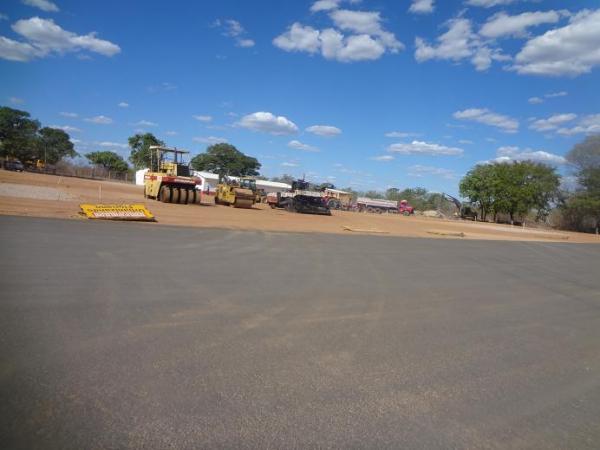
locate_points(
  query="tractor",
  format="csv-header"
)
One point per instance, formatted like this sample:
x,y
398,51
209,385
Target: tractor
x,y
168,178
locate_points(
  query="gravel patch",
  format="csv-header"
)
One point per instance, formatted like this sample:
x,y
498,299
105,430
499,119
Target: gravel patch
x,y
35,192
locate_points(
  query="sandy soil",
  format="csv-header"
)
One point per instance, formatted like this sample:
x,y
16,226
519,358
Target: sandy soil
x,y
54,196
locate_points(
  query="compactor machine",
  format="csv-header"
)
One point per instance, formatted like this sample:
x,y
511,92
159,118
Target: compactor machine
x,y
168,179
240,193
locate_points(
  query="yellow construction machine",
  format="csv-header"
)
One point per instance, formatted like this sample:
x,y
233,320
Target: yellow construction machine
x,y
239,193
168,179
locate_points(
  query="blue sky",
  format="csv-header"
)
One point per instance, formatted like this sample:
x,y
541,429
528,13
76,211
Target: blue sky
x,y
368,94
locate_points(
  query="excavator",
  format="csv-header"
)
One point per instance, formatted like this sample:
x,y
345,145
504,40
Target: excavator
x,y
465,210
168,179
240,193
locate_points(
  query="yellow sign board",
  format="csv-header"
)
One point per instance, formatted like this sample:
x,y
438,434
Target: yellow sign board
x,y
135,211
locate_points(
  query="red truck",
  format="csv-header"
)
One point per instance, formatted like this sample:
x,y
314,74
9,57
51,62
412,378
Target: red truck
x,y
374,205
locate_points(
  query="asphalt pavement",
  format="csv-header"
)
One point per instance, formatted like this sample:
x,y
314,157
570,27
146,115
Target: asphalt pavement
x,y
127,335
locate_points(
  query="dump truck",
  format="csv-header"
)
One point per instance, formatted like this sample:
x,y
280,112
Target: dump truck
x,y
336,199
299,199
168,178
239,193
375,205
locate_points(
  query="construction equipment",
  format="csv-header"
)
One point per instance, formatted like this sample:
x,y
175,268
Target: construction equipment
x,y
336,199
239,193
464,210
299,199
168,179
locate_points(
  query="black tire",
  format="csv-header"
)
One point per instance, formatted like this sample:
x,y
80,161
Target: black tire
x,y
184,195
193,197
166,194
176,195
406,213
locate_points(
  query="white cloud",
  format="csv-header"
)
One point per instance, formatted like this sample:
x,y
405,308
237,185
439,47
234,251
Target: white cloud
x,y
586,125
123,105
101,120
44,5
203,118
43,37
66,128
234,29
71,115
383,158
268,123
171,133
556,94
289,164
535,100
324,5
3,16
465,142
209,140
420,171
145,123
567,51
367,39
302,146
324,130
509,154
16,100
489,3
503,25
112,144
424,148
421,6
487,117
552,122
401,134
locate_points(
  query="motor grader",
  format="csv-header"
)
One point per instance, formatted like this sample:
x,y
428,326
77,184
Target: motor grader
x,y
168,179
239,193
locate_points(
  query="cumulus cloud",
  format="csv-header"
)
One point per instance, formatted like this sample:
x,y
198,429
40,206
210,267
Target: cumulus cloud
x,y
112,144
324,5
43,37
171,133
302,146
16,100
487,117
552,122
489,3
587,125
510,154
324,130
420,171
44,5
421,6
234,29
268,123
66,128
100,120
424,148
535,100
503,25
401,134
71,115
210,140
457,44
365,37
123,105
383,158
145,123
201,118
289,164
567,51
556,94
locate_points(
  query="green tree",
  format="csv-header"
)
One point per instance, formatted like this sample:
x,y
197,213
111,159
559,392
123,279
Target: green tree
x,y
141,156
478,186
18,134
581,210
225,159
109,160
53,145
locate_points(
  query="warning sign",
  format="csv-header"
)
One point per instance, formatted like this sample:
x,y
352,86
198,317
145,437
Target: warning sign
x,y
135,211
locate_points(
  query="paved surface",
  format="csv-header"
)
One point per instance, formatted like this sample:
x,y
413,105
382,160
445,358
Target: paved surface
x,y
118,335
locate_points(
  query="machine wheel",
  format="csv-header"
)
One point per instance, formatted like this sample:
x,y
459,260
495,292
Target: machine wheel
x,y
176,195
406,213
166,194
193,197
272,205
290,206
184,196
